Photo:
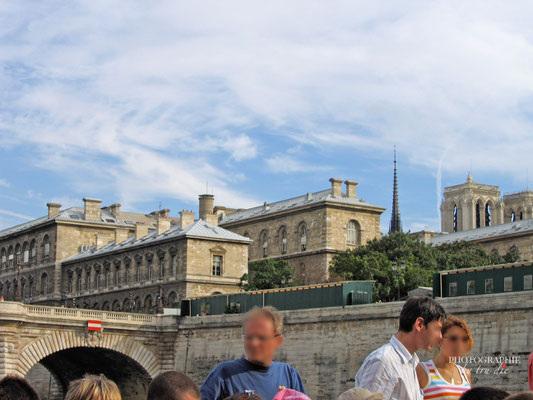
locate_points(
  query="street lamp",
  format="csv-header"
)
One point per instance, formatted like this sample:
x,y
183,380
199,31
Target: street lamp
x,y
398,271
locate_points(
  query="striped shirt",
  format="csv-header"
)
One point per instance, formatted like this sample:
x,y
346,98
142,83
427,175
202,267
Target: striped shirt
x,y
438,389
391,370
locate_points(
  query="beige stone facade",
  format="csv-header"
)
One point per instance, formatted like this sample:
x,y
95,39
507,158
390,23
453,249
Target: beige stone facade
x,y
102,258
475,212
307,230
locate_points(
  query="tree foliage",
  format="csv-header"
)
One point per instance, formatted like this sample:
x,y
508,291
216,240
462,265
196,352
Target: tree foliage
x,y
268,274
375,259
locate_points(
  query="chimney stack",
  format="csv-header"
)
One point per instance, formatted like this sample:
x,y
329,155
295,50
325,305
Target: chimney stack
x,y
120,235
164,212
140,230
186,218
163,225
53,209
336,187
92,211
212,219
351,189
115,210
206,205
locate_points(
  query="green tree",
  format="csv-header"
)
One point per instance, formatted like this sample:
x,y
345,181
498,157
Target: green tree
x,y
268,274
375,259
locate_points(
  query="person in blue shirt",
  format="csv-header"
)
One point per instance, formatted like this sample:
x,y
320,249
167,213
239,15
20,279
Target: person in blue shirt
x,y
256,373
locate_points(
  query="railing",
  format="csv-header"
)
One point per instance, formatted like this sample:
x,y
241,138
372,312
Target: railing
x,y
88,314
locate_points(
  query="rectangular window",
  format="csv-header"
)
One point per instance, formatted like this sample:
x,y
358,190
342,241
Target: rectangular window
x,y
33,253
217,265
528,282
452,291
470,287
174,261
26,256
161,267
139,272
47,249
508,284
489,285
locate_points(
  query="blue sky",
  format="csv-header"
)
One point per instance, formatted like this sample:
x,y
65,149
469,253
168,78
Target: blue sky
x,y
142,103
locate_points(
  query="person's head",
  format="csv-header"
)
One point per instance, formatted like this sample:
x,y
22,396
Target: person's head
x,y
360,394
422,317
521,396
93,387
244,396
16,388
263,334
484,393
456,339
173,385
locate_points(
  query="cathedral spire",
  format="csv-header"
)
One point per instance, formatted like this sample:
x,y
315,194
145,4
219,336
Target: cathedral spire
x,y
395,221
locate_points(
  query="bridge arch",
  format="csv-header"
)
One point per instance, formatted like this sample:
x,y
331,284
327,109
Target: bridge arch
x,y
68,355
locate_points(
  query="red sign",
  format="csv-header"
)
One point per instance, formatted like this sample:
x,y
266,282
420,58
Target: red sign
x,y
93,325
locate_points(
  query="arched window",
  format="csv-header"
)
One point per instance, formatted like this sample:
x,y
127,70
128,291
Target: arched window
x,y
46,247
44,283
302,236
264,243
105,306
172,300
70,280
18,254
33,251
117,275
478,216
150,272
107,277
148,304
455,217
3,255
139,271
283,241
116,305
161,266
78,282
25,253
98,279
513,216
10,256
31,290
353,233
88,280
488,214
521,215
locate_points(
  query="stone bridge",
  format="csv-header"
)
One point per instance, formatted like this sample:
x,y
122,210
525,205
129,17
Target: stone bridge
x,y
131,349
327,346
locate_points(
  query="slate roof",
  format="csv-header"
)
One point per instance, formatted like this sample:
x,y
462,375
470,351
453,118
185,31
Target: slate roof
x,y
486,232
198,229
293,203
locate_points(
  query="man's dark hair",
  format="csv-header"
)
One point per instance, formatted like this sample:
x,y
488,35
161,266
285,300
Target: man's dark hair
x,y
420,306
243,396
16,388
172,385
484,393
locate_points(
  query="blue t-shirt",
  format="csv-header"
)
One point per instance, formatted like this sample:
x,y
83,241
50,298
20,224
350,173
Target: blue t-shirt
x,y
241,375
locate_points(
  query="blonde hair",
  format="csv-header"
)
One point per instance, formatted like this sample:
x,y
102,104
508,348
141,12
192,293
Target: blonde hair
x,y
93,387
266,312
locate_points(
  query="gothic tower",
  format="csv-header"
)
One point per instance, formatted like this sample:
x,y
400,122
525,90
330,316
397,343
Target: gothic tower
x,y
395,221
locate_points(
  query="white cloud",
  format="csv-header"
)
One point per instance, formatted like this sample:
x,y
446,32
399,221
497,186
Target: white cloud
x,y
143,97
14,214
4,183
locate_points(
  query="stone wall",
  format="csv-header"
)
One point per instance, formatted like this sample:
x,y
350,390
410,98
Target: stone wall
x,y
327,346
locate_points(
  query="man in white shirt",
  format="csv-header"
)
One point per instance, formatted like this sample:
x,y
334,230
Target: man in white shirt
x,y
391,369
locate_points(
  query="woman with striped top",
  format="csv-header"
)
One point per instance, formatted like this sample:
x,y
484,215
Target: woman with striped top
x,y
441,378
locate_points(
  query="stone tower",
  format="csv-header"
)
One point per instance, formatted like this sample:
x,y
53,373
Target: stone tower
x,y
470,205
395,221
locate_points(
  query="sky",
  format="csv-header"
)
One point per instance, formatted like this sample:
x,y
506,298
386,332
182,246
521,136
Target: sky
x,y
150,104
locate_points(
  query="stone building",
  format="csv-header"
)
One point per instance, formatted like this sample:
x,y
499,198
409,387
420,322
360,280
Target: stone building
x,y
77,253
477,212
307,230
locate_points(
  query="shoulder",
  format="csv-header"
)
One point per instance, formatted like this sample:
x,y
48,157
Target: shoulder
x,y
281,366
227,367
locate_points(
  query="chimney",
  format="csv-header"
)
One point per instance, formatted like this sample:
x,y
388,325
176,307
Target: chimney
x,y
206,205
351,189
164,212
92,210
212,219
163,225
140,230
100,240
336,187
186,218
53,209
115,210
120,235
